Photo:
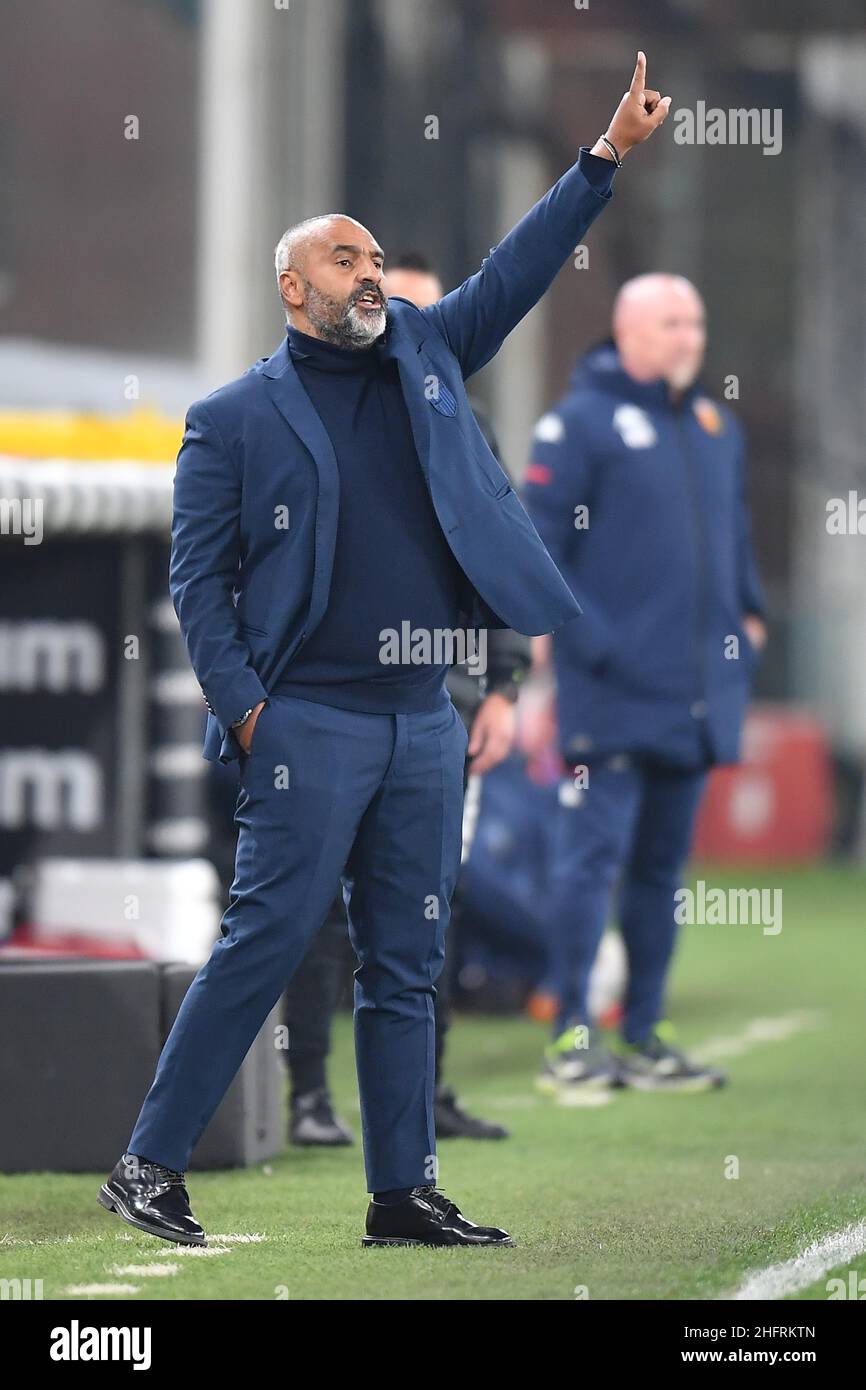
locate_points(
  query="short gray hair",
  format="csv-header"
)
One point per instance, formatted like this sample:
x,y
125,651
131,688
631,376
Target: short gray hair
x,y
291,248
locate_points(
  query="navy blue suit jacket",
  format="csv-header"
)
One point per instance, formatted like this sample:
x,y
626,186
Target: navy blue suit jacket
x,y
662,559
256,487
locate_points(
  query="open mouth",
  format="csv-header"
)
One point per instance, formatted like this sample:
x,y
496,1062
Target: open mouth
x,y
369,301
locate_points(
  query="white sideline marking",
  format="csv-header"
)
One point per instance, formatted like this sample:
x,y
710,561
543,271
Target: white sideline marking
x,y
102,1288
154,1271
790,1276
238,1239
761,1030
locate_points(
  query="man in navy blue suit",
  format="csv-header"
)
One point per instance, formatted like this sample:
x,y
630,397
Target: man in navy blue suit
x,y
637,486
339,532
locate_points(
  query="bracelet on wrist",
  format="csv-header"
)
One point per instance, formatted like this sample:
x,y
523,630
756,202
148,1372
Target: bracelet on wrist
x,y
611,147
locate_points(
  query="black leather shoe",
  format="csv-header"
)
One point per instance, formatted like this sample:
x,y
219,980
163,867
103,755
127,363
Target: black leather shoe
x,y
426,1217
152,1198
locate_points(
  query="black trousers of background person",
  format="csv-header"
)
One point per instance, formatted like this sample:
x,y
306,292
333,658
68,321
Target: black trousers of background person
x,y
319,983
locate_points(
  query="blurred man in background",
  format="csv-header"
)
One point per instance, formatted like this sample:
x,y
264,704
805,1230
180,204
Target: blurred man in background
x,y
636,484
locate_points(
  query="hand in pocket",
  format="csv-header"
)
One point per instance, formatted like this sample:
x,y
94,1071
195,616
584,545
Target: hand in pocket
x,y
244,732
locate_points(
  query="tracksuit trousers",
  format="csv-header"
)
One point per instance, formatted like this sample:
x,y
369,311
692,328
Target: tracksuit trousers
x,y
631,829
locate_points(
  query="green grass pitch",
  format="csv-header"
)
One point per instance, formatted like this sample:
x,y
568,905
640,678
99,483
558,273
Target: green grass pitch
x,y
627,1201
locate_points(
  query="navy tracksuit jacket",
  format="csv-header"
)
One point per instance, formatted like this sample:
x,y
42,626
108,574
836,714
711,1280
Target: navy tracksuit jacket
x,y
661,562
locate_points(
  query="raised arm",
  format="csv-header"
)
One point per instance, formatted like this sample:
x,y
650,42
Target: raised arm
x,y
476,317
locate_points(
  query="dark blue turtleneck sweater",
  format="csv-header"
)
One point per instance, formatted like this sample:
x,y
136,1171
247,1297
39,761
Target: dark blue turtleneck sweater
x,y
392,563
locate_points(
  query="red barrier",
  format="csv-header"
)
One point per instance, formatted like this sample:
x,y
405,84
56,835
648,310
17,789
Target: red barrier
x,y
777,804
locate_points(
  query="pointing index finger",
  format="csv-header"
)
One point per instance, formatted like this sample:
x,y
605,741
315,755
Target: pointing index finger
x,y
637,81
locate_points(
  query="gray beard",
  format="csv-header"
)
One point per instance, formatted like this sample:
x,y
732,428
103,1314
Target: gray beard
x,y
339,324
